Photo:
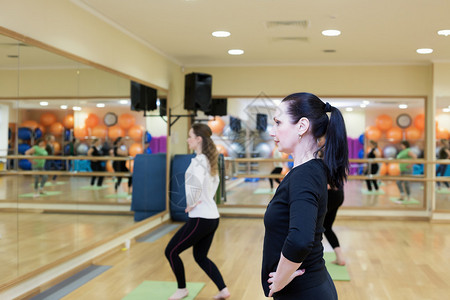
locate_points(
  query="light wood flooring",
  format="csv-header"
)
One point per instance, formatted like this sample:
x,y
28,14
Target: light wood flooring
x,y
385,259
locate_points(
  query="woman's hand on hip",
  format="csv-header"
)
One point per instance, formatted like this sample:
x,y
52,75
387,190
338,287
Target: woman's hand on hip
x,y
278,286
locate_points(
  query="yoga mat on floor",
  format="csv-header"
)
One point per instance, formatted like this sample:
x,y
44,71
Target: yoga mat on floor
x,y
94,187
54,183
162,290
443,191
118,195
46,194
367,192
337,273
410,201
264,192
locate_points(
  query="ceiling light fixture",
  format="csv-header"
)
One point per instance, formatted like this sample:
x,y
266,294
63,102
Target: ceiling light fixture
x,y
402,106
349,109
424,51
445,32
43,103
235,52
100,105
76,108
446,110
366,102
363,105
63,107
331,32
221,33
123,101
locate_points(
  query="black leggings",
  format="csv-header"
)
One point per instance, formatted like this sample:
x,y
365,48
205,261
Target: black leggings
x,y
277,170
120,166
373,171
324,291
335,200
97,166
441,172
199,233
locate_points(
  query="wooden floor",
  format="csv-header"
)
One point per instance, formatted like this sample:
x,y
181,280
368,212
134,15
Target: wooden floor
x,y
386,260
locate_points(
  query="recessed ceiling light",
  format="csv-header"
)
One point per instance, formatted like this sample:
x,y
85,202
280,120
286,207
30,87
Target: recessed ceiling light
x,y
235,52
446,110
445,32
366,102
349,109
63,106
424,51
221,33
77,108
100,105
123,101
402,106
43,103
363,105
331,32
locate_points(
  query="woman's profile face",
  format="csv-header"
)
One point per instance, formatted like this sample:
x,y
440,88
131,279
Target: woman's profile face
x,y
193,140
283,132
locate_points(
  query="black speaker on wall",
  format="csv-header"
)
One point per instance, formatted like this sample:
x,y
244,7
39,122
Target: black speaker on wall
x,y
261,122
218,107
162,107
197,91
143,98
235,124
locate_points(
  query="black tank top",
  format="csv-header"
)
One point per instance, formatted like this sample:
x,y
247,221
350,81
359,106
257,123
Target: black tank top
x,y
372,153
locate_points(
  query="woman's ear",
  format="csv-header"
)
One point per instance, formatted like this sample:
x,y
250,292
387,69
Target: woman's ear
x,y
303,126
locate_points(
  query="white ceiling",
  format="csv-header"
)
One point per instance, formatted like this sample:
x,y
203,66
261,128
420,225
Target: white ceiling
x,y
373,32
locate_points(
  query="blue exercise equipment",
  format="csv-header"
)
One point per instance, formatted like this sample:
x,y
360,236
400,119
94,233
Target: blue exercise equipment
x,y
23,147
24,133
149,185
177,195
25,164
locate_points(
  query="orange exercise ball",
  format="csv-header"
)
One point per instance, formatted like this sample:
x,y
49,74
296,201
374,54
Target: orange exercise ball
x,y
419,122
393,169
41,128
394,135
222,149
80,132
99,131
56,147
126,121
136,132
68,121
130,165
442,133
115,131
373,133
216,125
384,122
56,129
136,148
91,121
30,124
412,133
383,169
48,119
109,166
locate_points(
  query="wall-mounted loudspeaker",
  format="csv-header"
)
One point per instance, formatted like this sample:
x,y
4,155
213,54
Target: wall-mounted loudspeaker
x,y
162,107
197,91
261,122
143,98
218,107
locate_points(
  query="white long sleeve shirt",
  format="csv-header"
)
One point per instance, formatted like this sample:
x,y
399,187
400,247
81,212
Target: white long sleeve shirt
x,y
201,186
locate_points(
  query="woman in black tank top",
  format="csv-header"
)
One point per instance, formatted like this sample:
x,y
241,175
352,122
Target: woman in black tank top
x,y
444,153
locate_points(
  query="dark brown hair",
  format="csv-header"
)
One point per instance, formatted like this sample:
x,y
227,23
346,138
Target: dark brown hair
x,y
208,146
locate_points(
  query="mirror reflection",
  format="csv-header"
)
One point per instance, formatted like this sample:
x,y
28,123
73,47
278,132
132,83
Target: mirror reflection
x,y
69,137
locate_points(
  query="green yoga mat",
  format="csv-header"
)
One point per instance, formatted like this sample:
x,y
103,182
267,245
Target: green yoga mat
x,y
410,201
118,195
94,187
49,193
443,191
264,192
162,290
367,192
54,183
337,273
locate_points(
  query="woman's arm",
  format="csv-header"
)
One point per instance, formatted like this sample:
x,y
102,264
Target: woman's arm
x,y
286,271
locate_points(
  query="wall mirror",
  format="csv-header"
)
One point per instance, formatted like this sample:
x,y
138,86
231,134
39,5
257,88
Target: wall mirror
x,y
243,137
44,94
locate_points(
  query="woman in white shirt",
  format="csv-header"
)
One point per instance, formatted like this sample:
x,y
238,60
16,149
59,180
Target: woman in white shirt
x,y
201,182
